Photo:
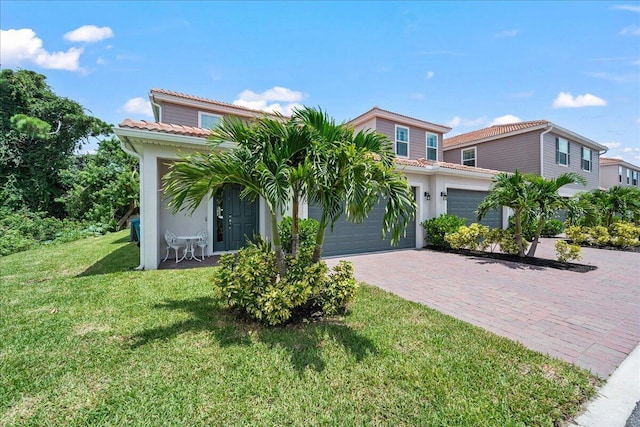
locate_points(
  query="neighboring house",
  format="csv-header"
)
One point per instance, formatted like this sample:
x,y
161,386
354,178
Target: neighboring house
x,y
538,147
618,172
181,128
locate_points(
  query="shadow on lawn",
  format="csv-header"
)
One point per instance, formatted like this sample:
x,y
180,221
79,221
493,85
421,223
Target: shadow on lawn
x,y
122,259
303,342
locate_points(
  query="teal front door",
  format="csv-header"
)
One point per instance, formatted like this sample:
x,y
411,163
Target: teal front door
x,y
236,220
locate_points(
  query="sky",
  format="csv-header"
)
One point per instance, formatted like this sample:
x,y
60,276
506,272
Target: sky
x,y
466,65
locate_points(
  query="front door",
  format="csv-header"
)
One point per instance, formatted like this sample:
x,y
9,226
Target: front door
x,y
236,219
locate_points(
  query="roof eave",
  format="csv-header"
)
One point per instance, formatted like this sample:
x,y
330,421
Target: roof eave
x,y
377,112
494,137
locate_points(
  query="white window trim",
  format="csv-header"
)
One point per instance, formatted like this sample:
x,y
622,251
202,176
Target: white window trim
x,y
200,113
475,156
582,159
568,153
395,140
427,145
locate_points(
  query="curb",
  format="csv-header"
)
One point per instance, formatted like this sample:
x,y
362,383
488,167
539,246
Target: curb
x,y
616,400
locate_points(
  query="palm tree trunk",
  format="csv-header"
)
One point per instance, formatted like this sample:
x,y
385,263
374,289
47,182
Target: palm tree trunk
x,y
295,226
536,238
322,226
518,227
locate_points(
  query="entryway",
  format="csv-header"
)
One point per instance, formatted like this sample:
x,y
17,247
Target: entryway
x,y
236,219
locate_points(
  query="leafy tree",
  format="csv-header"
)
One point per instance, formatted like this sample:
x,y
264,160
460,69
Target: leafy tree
x,y
606,206
350,173
103,187
510,190
39,132
546,201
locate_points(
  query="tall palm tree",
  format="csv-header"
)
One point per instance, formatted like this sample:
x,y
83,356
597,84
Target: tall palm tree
x,y
546,201
510,190
350,173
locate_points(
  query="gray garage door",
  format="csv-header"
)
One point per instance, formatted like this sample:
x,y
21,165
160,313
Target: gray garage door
x,y
464,203
350,238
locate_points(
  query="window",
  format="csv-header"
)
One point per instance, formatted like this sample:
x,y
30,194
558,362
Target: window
x,y
432,146
619,173
634,177
562,151
208,121
469,157
628,181
587,159
402,141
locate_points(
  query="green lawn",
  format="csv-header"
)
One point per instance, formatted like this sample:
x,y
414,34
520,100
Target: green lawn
x,y
84,340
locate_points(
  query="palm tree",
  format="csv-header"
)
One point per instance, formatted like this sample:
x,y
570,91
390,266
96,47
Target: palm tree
x,y
510,190
546,201
349,175
260,164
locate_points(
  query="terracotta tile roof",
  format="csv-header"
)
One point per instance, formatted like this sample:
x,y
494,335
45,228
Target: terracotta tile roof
x,y
492,131
209,101
165,128
428,163
376,108
607,161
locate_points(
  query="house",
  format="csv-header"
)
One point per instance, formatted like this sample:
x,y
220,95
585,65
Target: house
x,y
538,147
618,172
181,127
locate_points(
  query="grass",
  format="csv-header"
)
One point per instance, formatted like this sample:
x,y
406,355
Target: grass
x,y
86,341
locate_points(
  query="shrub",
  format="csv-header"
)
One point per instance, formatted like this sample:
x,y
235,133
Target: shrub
x,y
247,281
594,236
566,252
551,228
437,228
473,237
306,235
505,239
624,234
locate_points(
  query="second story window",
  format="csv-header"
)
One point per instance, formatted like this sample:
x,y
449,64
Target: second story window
x,y
562,151
628,174
634,177
619,173
469,157
587,159
402,141
432,146
207,120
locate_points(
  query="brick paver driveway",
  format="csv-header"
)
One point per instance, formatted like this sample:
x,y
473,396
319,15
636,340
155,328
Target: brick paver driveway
x,y
590,319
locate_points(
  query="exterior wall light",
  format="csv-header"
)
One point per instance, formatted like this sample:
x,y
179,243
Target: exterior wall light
x,y
427,195
443,195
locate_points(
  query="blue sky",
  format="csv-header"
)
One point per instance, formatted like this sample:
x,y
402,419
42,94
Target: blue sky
x,y
463,64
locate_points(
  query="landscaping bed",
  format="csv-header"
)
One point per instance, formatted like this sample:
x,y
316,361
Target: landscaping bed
x,y
88,341
538,262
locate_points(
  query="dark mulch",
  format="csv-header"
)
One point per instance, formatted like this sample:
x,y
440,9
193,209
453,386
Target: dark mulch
x,y
635,249
538,262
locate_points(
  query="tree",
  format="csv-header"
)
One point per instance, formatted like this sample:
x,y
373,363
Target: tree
x,y
616,202
546,200
351,173
510,190
102,187
39,132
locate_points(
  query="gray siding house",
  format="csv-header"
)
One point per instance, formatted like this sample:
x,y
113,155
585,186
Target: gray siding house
x,y
538,147
618,172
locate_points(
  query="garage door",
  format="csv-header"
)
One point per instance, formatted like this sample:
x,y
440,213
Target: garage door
x,y
350,238
464,203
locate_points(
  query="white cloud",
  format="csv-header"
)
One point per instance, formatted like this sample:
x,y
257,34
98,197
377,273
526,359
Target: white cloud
x,y
89,34
505,120
101,61
612,145
429,75
277,99
138,106
459,121
566,100
417,96
631,150
627,7
23,46
616,78
507,33
631,30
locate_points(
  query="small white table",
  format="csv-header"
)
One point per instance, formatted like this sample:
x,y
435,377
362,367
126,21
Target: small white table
x,y
189,250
